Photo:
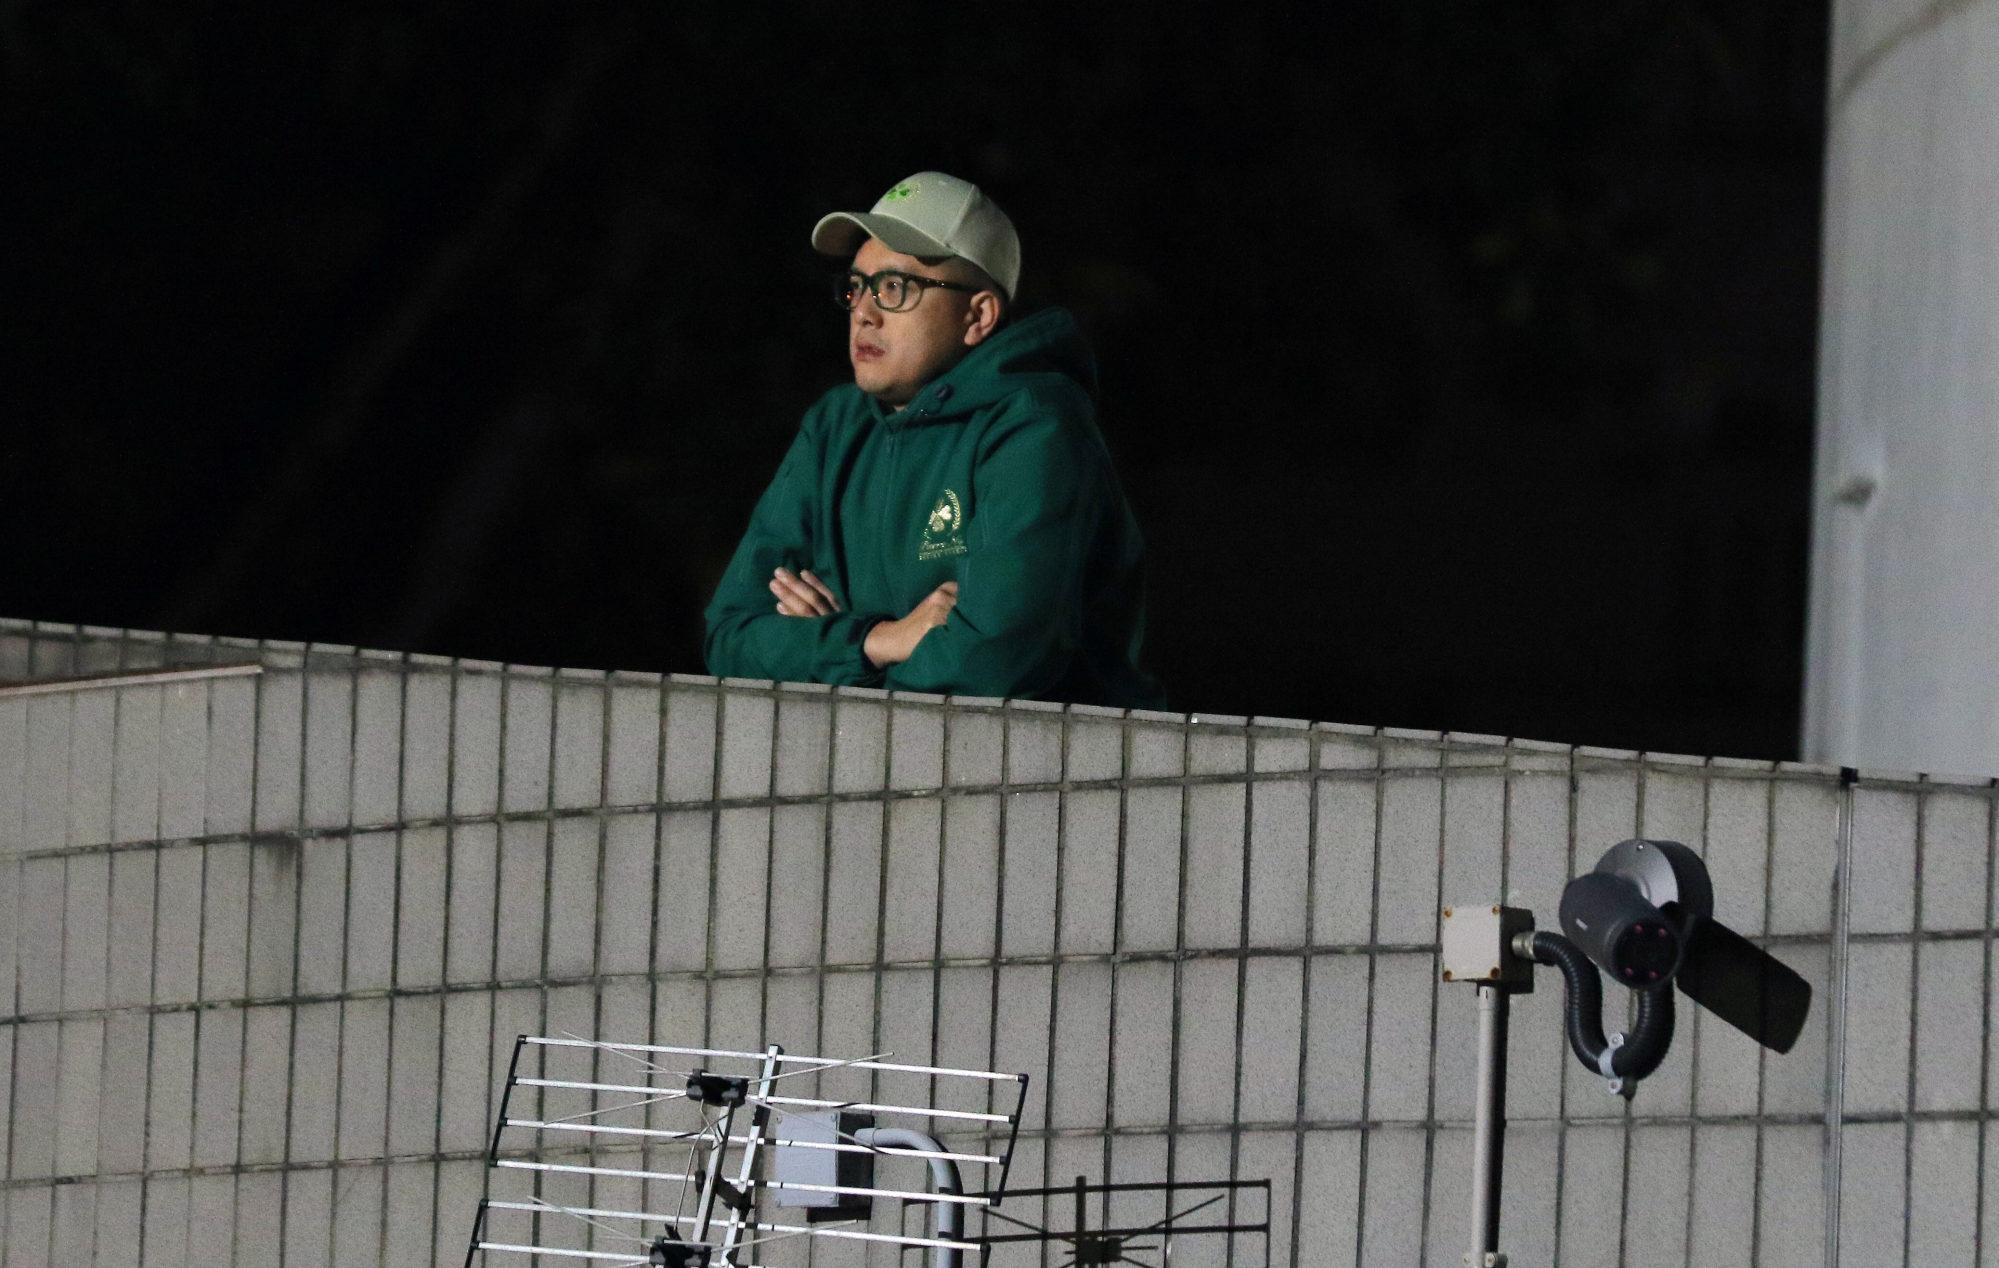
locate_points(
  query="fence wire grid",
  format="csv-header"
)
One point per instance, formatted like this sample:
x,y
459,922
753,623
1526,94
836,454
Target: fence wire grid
x,y
274,916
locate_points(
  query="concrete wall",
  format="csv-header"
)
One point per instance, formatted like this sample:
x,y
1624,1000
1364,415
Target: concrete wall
x,y
265,942
1903,662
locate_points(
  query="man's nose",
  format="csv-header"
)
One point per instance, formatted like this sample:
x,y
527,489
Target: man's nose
x,y
866,311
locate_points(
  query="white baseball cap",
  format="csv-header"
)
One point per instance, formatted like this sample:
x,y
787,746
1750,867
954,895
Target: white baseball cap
x,y
931,214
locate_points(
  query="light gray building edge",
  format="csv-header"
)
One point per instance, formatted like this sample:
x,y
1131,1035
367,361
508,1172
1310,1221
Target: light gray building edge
x,y
267,936
1902,662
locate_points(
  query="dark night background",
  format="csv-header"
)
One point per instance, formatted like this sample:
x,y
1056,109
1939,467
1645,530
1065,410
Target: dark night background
x,y
1458,358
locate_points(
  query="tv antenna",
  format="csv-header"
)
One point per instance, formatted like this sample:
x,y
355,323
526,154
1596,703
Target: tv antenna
x,y
684,1135
1147,1245
1644,915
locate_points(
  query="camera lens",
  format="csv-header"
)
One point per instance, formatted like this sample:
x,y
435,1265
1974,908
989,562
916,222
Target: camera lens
x,y
1628,938
1645,953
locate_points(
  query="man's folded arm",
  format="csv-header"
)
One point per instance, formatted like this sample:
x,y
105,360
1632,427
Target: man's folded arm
x,y
747,637
791,648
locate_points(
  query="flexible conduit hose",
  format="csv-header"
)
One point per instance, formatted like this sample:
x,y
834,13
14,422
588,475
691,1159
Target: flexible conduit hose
x,y
1652,1034
943,1179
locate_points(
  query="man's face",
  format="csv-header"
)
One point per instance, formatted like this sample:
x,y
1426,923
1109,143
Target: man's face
x,y
895,354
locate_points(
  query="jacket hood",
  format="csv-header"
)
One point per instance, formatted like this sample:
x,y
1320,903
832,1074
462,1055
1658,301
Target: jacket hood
x,y
1045,351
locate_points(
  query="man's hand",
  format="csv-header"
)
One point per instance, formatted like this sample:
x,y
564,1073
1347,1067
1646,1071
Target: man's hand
x,y
802,595
892,642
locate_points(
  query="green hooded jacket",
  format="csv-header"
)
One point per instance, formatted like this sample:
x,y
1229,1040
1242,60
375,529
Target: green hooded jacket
x,y
995,476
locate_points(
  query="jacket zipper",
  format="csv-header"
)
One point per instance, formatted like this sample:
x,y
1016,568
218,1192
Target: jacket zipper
x,y
888,510
895,430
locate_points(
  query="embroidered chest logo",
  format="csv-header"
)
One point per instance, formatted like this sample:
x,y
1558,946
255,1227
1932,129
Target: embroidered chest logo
x,y
944,532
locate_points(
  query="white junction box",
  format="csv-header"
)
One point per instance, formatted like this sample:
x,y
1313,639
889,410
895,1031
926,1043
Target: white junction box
x,y
814,1161
1477,945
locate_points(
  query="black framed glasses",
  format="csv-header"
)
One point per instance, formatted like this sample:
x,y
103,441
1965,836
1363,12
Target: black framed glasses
x,y
893,289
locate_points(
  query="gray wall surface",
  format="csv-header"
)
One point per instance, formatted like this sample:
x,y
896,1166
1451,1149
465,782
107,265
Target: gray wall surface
x,y
265,941
1902,665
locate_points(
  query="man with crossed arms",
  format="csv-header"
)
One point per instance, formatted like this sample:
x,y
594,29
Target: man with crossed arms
x,y
949,521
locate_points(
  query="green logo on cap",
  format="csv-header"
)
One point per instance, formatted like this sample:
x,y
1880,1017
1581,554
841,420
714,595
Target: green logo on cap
x,y
901,191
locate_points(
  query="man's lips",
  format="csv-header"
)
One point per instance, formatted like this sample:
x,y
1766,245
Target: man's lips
x,y
867,352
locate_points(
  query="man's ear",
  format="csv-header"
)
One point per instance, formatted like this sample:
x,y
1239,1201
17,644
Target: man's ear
x,y
982,317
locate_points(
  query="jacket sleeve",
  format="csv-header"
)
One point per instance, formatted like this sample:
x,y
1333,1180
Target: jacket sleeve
x,y
747,637
1041,485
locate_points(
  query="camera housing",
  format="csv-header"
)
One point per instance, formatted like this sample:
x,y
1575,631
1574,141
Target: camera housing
x,y
1634,914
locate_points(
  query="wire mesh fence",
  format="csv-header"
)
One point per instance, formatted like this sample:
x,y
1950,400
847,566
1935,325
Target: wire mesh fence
x,y
276,916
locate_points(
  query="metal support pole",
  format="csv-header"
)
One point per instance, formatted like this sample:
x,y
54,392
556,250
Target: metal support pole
x,y
1489,1126
739,1221
706,1207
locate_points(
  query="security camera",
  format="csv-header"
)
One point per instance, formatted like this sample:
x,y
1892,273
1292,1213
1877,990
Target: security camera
x,y
1633,913
1645,915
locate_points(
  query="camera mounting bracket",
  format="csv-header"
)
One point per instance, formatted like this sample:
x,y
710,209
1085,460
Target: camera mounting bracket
x,y
1644,916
